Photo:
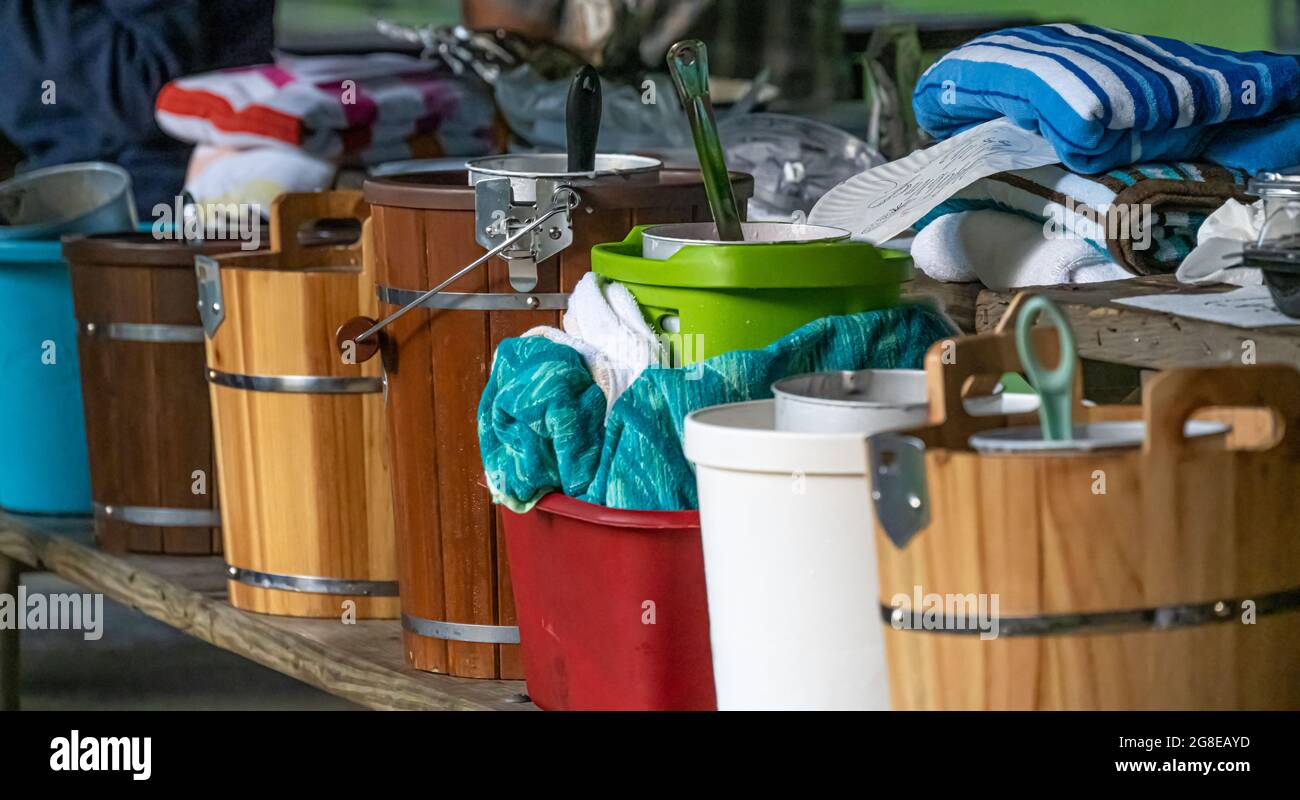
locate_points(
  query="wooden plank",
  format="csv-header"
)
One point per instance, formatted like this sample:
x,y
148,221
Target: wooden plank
x,y
1118,334
361,662
400,263
460,358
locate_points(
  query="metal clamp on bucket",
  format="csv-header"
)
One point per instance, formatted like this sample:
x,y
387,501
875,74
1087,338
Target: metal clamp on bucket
x,y
500,217
359,347
523,206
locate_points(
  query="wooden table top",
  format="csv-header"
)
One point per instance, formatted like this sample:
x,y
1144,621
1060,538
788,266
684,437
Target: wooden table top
x,y
361,662
1118,334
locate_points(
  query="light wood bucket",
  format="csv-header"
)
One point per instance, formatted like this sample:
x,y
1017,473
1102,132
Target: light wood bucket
x,y
1164,576
305,496
458,612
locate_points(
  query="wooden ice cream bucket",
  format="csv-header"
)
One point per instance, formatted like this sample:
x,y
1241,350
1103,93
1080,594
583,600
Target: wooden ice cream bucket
x,y
457,607
147,416
305,497
1164,575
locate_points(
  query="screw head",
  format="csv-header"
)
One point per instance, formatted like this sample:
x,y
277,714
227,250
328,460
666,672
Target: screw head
x,y
90,327
532,302
555,233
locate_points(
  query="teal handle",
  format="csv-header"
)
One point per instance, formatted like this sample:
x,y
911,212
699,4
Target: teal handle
x,y
688,63
1055,387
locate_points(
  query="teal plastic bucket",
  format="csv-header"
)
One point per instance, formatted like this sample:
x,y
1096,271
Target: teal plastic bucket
x,y
44,467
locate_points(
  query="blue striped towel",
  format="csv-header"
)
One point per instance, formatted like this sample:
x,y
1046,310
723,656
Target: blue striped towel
x,y
1105,99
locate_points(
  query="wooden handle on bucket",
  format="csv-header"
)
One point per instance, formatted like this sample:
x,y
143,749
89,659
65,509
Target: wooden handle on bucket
x,y
1174,395
953,366
291,211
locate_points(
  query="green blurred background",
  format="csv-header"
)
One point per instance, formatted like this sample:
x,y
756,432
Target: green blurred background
x,y
1235,24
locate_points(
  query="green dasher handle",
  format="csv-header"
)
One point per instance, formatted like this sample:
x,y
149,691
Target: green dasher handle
x,y
688,64
1055,387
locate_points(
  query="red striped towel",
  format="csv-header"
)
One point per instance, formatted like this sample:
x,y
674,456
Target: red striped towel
x,y
369,108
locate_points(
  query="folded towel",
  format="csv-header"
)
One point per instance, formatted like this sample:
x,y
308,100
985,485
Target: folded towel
x,y
1105,98
371,108
1264,146
1144,216
1007,251
542,424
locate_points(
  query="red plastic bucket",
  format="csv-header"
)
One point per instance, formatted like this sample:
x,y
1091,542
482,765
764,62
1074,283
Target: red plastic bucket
x,y
611,607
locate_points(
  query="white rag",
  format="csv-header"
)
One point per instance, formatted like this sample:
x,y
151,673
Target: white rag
x,y
1218,246
604,324
1007,251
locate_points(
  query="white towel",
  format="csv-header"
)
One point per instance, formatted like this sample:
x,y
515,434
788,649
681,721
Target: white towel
x,y
604,324
1007,251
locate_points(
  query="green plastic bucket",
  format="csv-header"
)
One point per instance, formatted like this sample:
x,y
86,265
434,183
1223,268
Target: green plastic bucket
x,y
706,300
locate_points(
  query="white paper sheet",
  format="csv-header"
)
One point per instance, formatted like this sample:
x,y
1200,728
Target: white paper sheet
x,y
885,200
1251,307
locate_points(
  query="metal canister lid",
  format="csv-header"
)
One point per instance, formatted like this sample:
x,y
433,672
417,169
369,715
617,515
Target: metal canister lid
x,y
556,165
1278,185
1027,439
451,190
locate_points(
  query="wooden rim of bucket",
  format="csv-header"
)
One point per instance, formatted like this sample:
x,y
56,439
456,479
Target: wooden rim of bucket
x,y
141,249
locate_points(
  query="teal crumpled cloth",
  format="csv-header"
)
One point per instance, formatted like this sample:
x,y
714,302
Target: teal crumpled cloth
x,y
542,425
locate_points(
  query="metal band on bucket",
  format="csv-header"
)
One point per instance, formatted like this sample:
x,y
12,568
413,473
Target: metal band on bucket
x,y
1157,618
159,516
144,332
477,301
460,632
310,583
297,384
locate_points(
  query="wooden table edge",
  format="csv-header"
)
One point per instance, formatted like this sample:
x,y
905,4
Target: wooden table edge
x,y
252,636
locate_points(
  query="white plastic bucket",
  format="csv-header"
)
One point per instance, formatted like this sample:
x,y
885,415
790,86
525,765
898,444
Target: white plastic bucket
x,y
789,561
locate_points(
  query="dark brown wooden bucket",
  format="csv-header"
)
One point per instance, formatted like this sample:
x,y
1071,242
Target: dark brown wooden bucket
x,y
147,415
457,607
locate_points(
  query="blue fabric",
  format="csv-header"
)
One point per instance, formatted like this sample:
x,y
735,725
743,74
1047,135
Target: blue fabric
x,y
542,425
106,60
1105,98
1256,148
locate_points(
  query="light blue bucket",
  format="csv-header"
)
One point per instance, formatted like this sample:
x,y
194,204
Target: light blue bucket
x,y
43,462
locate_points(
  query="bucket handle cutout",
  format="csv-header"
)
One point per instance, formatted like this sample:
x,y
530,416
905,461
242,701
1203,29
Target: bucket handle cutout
x,y
293,212
1173,396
